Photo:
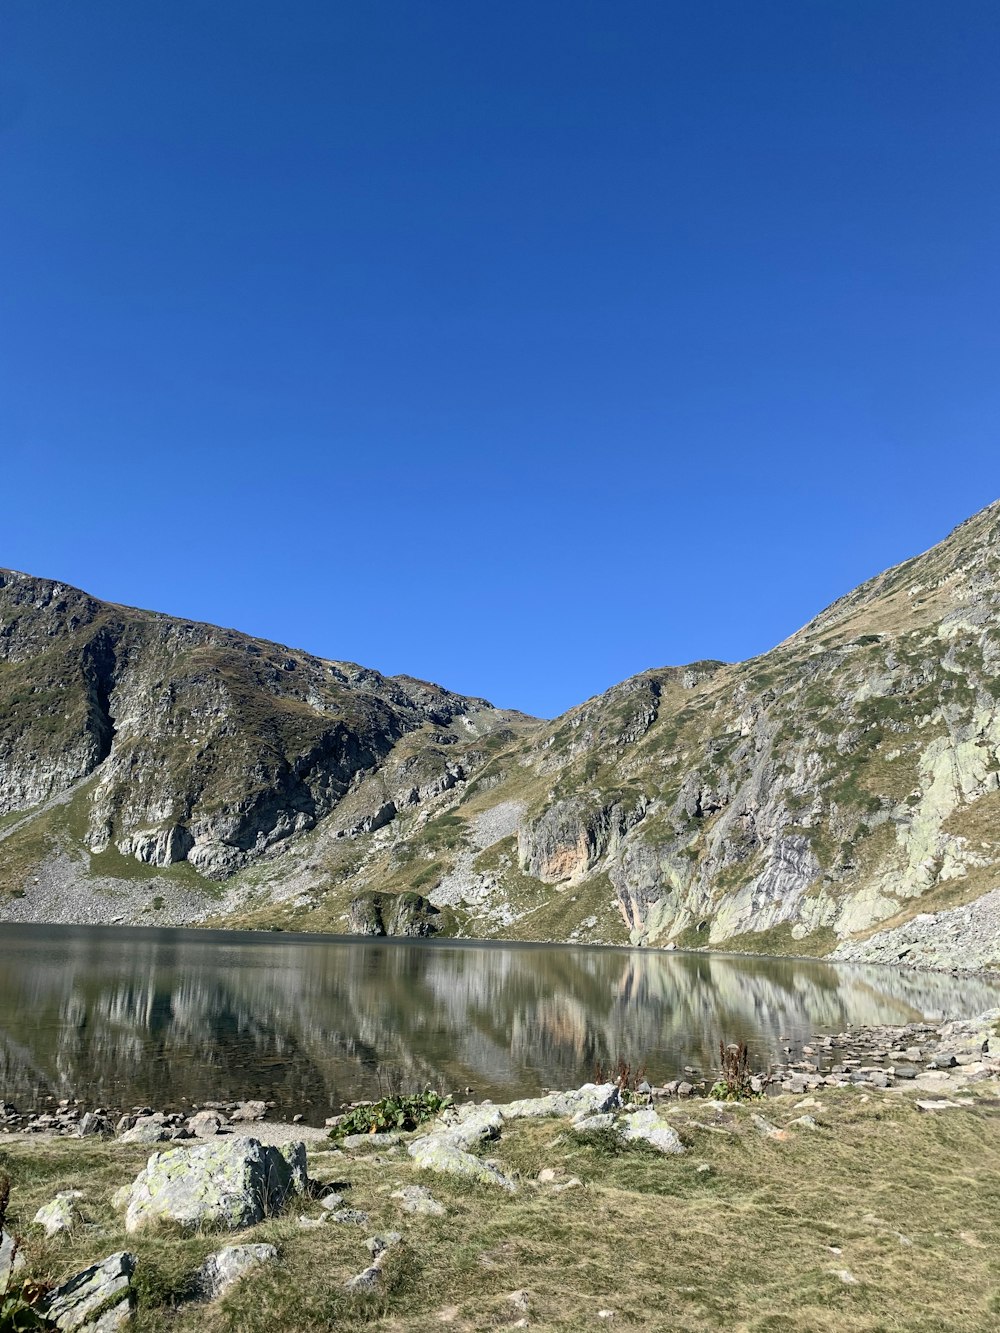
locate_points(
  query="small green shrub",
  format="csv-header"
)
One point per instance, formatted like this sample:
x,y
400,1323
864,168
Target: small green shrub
x,y
397,1112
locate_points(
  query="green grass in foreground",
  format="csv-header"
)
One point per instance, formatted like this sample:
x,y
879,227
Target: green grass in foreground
x,y
911,1200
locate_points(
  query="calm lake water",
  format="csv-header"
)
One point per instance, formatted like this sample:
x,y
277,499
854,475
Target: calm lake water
x,y
119,1017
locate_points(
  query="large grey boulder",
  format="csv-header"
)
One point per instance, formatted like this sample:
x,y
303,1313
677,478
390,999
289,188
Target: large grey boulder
x,y
472,1124
96,1300
226,1266
229,1182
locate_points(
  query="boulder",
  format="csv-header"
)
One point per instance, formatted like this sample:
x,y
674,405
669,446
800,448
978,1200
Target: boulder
x,y
226,1266
436,1152
147,1129
591,1099
249,1111
93,1123
228,1182
589,1124
206,1124
60,1214
350,1141
96,1300
474,1124
646,1126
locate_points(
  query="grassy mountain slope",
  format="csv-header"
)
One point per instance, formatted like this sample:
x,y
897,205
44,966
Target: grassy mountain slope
x,y
839,794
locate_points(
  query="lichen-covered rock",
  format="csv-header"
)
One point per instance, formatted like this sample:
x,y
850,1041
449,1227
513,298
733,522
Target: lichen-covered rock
x,y
60,1214
590,1124
647,1126
436,1152
591,1099
418,1199
352,1141
226,1266
230,1182
472,1124
96,1300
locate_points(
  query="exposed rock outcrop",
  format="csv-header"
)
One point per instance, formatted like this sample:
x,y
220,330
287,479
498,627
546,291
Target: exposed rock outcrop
x,y
230,1183
815,799
393,914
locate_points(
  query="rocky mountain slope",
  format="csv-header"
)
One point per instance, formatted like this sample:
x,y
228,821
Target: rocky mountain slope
x,y
838,795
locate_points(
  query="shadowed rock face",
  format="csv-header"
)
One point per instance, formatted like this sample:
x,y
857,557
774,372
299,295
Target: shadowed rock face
x,y
817,799
405,914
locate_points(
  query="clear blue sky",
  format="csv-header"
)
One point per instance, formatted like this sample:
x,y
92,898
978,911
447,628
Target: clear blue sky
x,y
518,346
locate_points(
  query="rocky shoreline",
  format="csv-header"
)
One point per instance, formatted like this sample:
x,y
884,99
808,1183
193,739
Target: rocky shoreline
x,y
225,1168
920,1055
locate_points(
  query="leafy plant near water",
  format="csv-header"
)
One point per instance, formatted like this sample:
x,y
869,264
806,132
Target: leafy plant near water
x,y
394,1113
19,1300
735,1083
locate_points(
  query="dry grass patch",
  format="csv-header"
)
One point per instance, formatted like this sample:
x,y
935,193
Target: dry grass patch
x,y
910,1200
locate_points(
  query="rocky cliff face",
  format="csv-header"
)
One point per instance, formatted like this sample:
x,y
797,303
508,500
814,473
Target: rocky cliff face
x,y
205,746
840,794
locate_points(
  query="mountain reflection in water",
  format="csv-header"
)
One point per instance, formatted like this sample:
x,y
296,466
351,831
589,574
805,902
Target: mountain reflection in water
x,y
121,1017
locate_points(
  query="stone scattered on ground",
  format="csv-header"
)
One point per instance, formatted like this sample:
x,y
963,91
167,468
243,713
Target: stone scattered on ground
x,y
206,1124
103,1290
385,1240
379,1247
227,1182
61,1214
354,1141
354,1217
418,1199
226,1266
646,1126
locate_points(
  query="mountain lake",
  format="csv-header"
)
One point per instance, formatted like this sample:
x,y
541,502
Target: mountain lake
x,y
122,1017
